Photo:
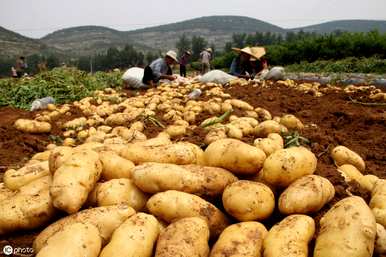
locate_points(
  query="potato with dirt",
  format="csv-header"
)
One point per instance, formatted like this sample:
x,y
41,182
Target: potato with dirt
x,y
270,144
348,229
290,237
75,179
75,240
306,195
186,237
240,239
106,219
342,155
378,201
351,173
287,165
32,126
200,180
174,205
248,200
114,166
14,179
291,122
29,208
178,153
120,191
380,242
269,126
58,156
235,156
134,237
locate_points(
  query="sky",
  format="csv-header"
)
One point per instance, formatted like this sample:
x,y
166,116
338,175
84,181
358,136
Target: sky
x,y
37,18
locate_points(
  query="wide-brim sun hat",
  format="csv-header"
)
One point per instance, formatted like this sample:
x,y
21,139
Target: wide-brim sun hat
x,y
172,55
246,50
258,52
209,49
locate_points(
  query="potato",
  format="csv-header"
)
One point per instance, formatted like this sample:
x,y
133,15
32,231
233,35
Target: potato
x,y
369,181
176,130
291,122
214,135
75,240
58,156
241,239
186,237
263,114
290,237
5,192
235,156
378,201
120,191
343,155
306,195
75,123
14,179
32,126
270,144
234,132
347,229
135,237
179,153
269,126
106,219
287,165
380,243
200,180
351,173
43,156
240,104
173,205
29,208
248,200
74,180
114,166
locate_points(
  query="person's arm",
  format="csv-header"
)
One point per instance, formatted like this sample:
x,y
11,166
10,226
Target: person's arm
x,y
233,69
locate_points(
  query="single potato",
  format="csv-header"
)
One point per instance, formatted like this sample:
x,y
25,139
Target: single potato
x,y
343,155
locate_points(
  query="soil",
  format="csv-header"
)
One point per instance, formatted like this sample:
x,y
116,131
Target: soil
x,y
332,119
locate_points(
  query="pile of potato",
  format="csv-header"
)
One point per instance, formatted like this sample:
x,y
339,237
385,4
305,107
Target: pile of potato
x,y
127,195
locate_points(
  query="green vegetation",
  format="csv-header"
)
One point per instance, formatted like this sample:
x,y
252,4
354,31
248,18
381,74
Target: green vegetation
x,y
63,84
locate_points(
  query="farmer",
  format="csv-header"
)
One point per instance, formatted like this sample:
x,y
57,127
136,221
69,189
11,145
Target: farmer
x,y
160,69
205,56
20,66
183,62
258,62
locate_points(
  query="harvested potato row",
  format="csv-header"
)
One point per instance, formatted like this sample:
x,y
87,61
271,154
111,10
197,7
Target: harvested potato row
x,y
348,229
74,180
200,180
174,205
106,219
76,240
287,165
248,200
14,179
235,156
134,237
306,195
186,237
342,155
290,237
32,126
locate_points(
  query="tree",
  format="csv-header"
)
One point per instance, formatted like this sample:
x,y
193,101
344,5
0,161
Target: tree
x,y
198,44
239,40
183,44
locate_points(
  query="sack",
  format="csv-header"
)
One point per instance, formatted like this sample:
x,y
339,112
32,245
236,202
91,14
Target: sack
x,y
276,73
42,103
133,78
217,76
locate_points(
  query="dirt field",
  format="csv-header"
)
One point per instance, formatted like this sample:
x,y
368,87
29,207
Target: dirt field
x,y
330,120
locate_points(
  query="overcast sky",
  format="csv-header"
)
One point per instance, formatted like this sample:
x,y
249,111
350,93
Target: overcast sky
x,y
36,18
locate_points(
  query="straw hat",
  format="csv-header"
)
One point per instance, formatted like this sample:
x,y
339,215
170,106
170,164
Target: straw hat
x,y
172,55
258,52
246,50
209,49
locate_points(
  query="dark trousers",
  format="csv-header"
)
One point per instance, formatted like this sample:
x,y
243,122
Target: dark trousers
x,y
182,70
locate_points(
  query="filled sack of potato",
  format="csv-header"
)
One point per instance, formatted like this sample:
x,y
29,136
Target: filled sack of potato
x,y
132,78
235,156
134,237
184,238
195,179
290,237
29,208
306,195
348,229
106,219
240,239
75,240
174,205
74,180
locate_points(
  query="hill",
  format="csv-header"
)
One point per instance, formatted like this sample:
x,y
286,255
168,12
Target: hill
x,y
346,25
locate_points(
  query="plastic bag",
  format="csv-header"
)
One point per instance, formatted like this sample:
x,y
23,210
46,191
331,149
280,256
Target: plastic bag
x,y
42,103
133,78
276,73
217,76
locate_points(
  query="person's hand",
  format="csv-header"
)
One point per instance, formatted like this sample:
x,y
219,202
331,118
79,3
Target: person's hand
x,y
172,77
